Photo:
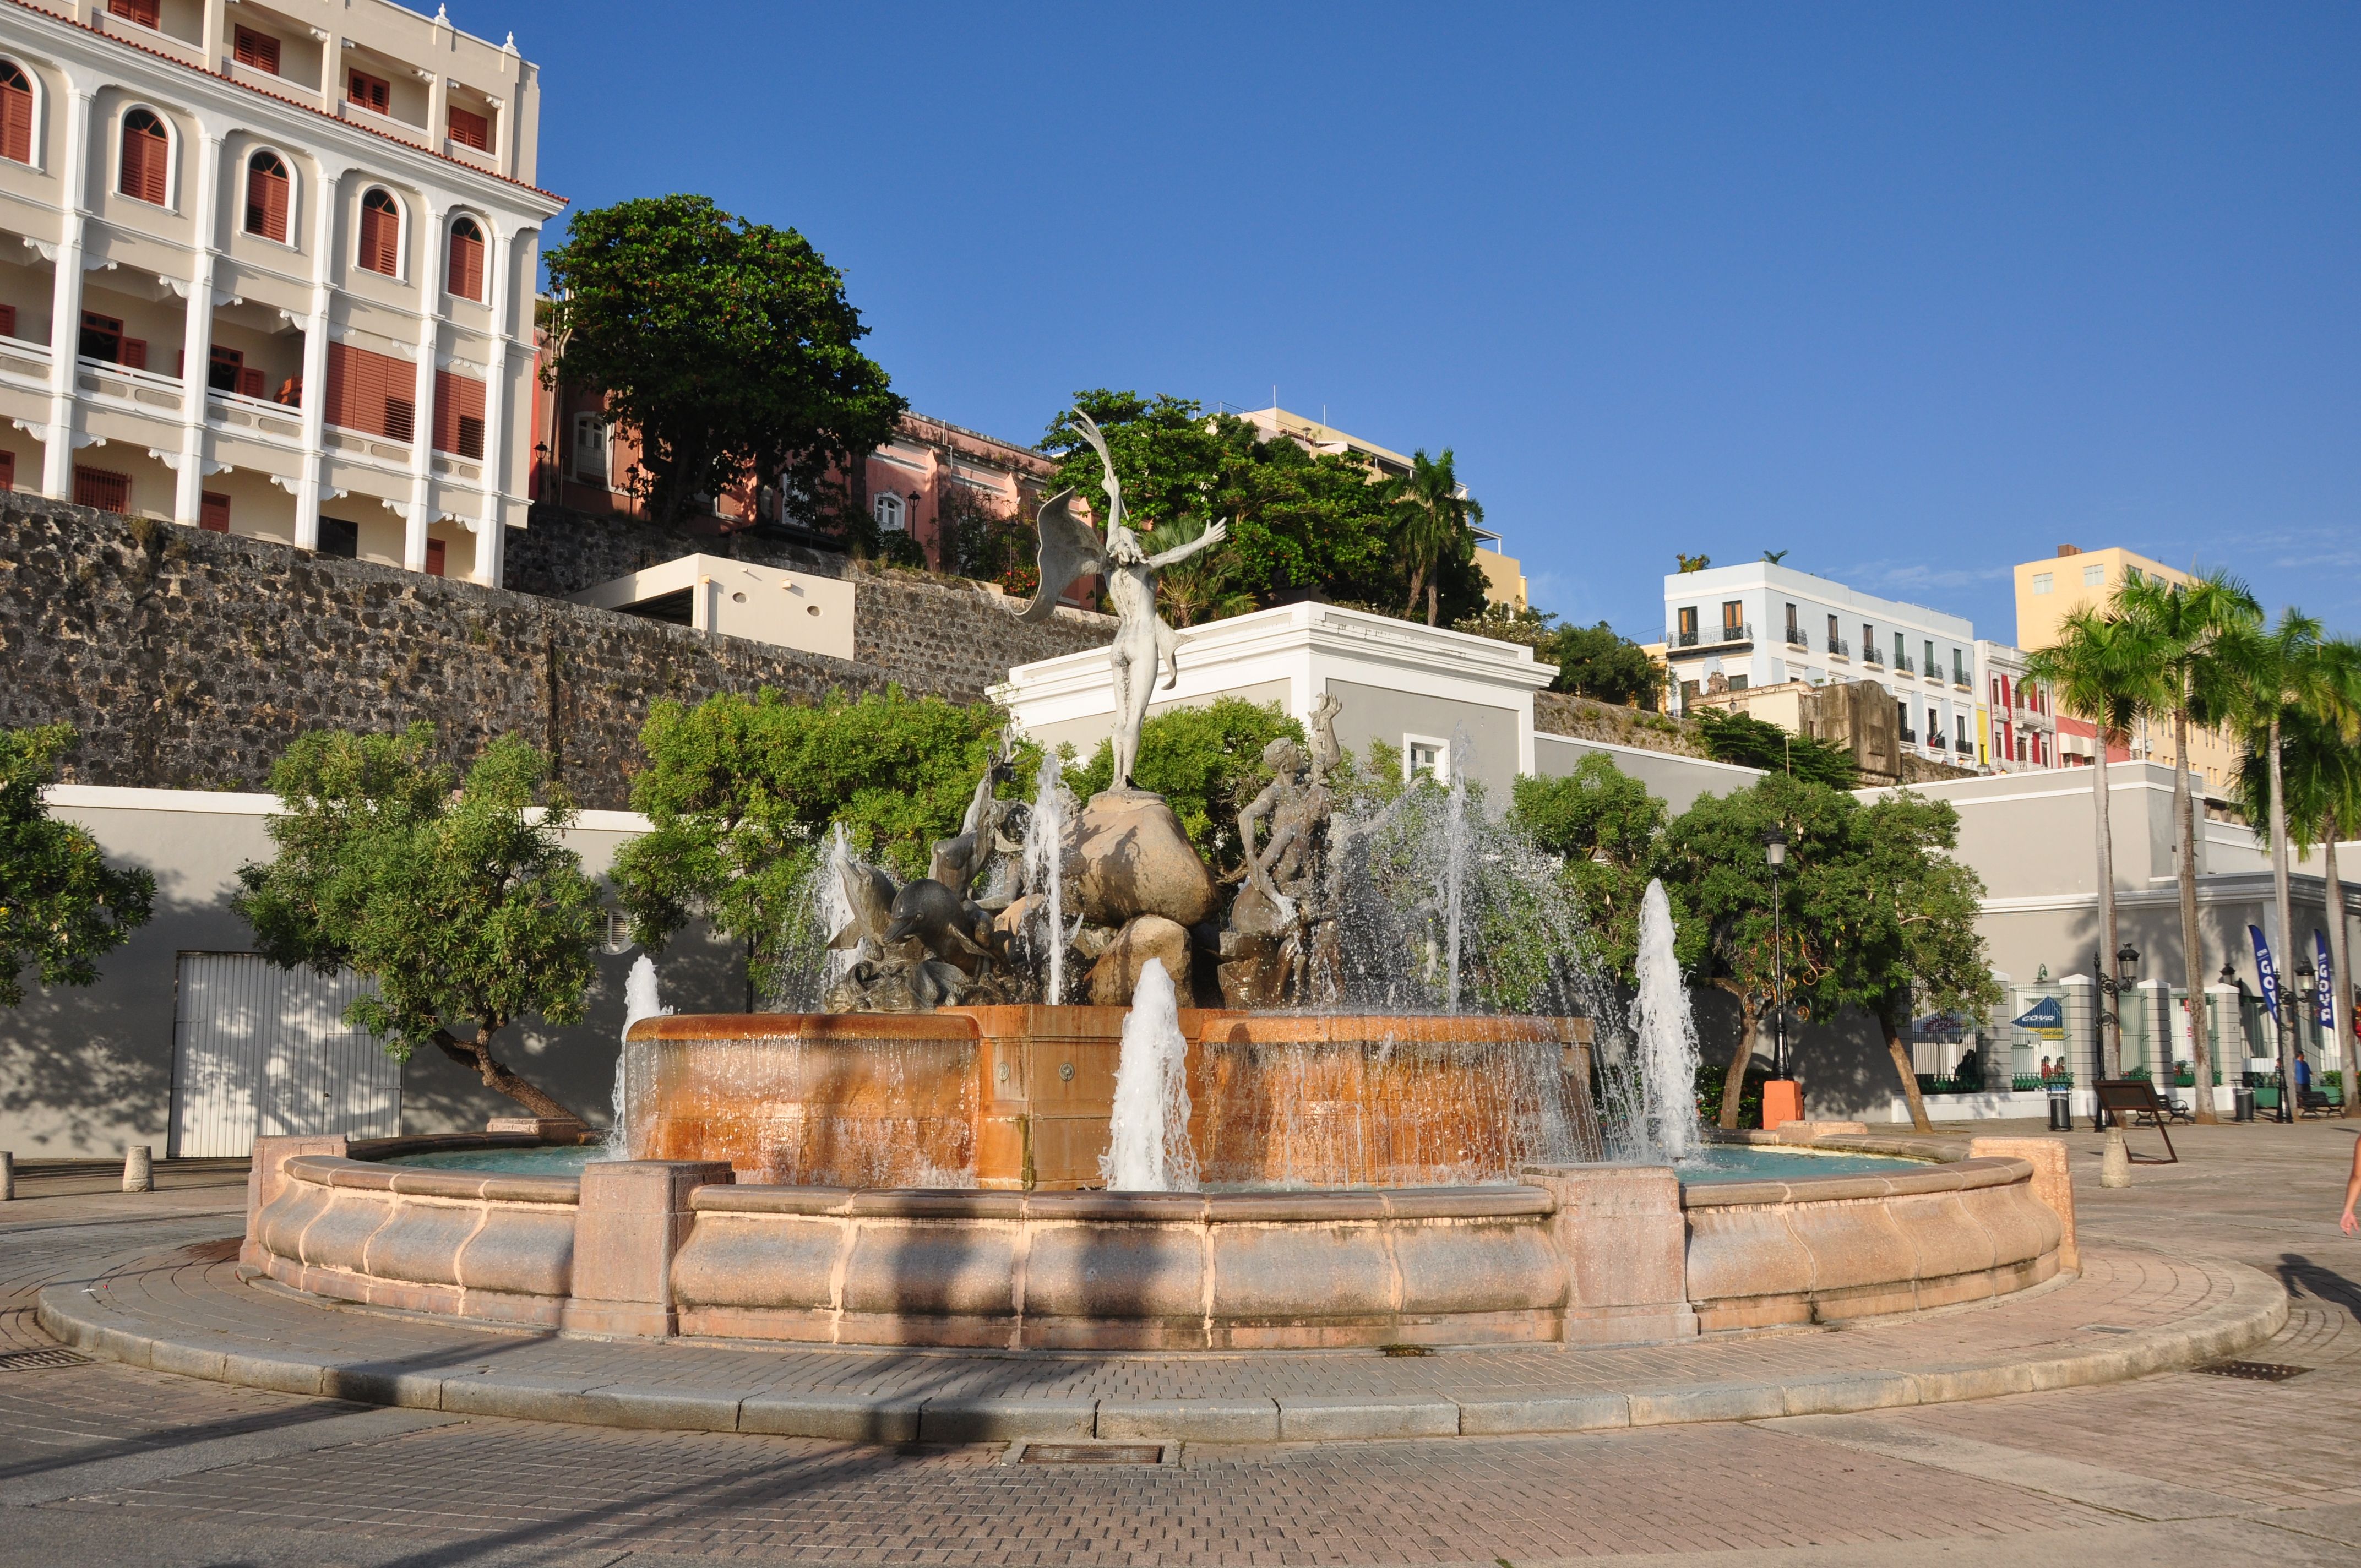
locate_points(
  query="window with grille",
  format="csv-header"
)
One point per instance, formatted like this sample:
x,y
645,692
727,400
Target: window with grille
x,y
96,488
212,511
265,196
147,156
467,259
590,448
458,414
371,93
380,246
140,11
371,392
16,114
260,50
471,129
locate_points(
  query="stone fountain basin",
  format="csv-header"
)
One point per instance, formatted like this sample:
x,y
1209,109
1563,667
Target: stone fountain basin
x,y
1578,1254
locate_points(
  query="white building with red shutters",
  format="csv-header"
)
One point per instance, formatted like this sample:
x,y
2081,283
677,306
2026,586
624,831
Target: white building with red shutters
x,y
2016,722
267,266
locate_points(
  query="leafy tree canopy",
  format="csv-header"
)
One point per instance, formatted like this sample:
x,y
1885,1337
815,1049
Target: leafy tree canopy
x,y
1750,743
62,905
724,344
454,897
1592,660
1605,825
1206,762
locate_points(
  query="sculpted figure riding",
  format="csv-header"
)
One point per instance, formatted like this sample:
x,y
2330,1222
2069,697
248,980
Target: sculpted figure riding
x,y
1142,640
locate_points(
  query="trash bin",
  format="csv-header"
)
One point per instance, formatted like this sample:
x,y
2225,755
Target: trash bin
x,y
2242,1103
2061,1110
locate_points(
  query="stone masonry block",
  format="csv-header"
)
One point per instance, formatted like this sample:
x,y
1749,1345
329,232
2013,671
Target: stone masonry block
x,y
266,1179
2053,1185
1625,1240
634,1218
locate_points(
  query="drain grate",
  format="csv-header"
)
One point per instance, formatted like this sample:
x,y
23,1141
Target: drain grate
x,y
40,1360
1404,1350
1093,1453
2256,1371
2107,1329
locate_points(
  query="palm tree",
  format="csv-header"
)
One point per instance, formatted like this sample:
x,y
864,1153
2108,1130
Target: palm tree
x,y
2183,629
2090,672
1203,587
2281,675
1431,510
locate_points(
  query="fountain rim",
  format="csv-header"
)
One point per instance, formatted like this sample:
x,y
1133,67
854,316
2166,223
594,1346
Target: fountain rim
x,y
1042,1021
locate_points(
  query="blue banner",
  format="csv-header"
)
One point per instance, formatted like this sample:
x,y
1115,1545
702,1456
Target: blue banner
x,y
2044,1019
2269,976
2327,968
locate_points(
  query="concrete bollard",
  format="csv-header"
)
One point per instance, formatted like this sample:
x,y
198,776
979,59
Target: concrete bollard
x,y
2115,1165
138,1169
8,1176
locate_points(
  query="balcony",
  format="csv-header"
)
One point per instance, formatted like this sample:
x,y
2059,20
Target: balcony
x,y
1903,666
1910,738
1869,655
1741,632
1681,639
1839,648
144,390
1799,641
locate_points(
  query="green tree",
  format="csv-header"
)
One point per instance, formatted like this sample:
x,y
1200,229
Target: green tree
x,y
1206,762
2187,631
2095,671
1599,661
1605,825
1750,743
1431,514
738,791
726,345
456,897
62,905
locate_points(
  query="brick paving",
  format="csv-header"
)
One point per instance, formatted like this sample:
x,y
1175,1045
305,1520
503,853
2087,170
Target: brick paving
x,y
2278,1457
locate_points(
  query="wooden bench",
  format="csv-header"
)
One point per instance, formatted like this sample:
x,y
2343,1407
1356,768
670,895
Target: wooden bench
x,y
2129,1100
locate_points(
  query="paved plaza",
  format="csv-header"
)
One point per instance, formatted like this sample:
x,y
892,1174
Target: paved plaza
x,y
106,1463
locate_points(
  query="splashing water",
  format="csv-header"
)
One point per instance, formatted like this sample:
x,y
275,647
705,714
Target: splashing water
x,y
1147,1145
641,999
1045,834
1667,1041
1455,862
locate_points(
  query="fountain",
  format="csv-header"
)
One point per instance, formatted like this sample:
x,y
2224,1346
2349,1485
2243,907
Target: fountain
x,y
1065,1091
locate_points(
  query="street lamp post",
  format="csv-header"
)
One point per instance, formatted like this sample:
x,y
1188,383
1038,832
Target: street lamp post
x,y
2307,1001
1774,850
2126,975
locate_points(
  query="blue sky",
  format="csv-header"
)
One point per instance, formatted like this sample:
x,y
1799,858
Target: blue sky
x,y
1911,291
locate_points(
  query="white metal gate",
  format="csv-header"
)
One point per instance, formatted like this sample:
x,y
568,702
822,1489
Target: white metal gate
x,y
262,1051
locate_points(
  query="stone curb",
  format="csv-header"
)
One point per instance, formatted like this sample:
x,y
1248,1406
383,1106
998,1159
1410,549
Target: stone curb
x,y
2254,1308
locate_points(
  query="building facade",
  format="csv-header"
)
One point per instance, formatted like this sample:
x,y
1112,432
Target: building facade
x,y
1757,624
2017,724
273,271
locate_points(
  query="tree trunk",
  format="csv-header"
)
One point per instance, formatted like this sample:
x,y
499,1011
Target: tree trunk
x,y
2110,1036
2286,1019
2184,806
1431,595
2340,1016
1733,1086
476,1055
1907,1073
1417,585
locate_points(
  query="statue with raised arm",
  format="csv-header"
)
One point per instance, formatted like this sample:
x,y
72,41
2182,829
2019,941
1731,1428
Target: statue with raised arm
x,y
1142,640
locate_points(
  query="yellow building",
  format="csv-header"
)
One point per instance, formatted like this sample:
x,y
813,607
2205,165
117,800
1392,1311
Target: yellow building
x,y
2050,589
1504,575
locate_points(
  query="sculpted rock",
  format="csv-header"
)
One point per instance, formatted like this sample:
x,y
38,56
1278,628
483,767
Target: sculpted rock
x,y
1128,857
1115,974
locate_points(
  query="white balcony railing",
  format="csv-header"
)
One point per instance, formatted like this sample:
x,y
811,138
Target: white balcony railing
x,y
25,364
143,391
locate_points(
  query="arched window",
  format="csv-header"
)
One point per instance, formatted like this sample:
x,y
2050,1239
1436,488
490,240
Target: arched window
x,y
590,448
147,156
467,259
380,246
888,508
15,113
265,196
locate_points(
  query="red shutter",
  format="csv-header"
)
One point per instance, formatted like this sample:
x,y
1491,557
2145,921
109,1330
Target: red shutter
x,y
265,204
249,382
7,321
471,129
369,91
212,511
374,393
458,414
434,558
381,240
7,470
260,50
144,156
16,122
135,352
140,11
466,265
106,491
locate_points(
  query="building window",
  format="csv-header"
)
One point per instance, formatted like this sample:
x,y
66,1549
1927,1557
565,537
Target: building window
x,y
1933,669
1795,635
229,372
140,11
1738,682
2044,581
7,470
471,129
96,488
2094,577
212,511
373,393
1431,757
1688,621
147,158
369,91
1960,722
458,414
1733,619
890,513
340,538
590,448
1934,727
16,114
265,196
257,50
435,556
467,259
101,338
1902,717
380,246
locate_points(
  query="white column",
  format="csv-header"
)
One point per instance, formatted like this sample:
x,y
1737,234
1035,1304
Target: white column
x,y
328,192
197,339
430,338
438,104
65,296
491,541
216,45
